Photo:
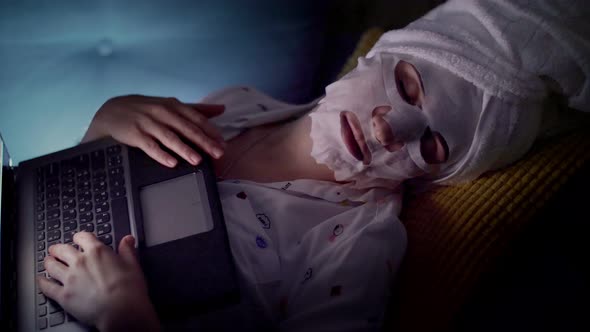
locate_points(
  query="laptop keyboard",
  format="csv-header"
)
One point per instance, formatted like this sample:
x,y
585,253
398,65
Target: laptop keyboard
x,y
72,196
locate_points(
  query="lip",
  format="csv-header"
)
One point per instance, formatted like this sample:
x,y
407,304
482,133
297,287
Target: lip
x,y
351,135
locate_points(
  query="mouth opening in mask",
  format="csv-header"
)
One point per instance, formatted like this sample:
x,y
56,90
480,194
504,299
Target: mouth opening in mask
x,y
353,137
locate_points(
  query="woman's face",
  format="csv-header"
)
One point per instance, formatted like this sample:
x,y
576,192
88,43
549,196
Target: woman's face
x,y
410,89
394,118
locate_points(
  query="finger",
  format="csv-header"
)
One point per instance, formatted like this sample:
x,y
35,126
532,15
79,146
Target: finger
x,y
87,241
127,250
200,120
56,269
49,288
208,110
190,131
145,142
169,139
64,252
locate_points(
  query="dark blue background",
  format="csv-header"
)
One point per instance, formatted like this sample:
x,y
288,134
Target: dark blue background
x,y
61,60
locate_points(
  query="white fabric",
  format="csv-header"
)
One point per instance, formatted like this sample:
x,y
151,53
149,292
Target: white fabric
x,y
510,49
451,109
311,255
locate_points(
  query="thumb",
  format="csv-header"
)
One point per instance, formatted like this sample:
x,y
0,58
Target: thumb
x,y
127,250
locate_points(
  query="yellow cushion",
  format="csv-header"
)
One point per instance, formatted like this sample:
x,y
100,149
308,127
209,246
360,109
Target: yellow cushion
x,y
455,233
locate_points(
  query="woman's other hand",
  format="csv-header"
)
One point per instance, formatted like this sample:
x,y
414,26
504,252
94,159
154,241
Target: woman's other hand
x,y
100,288
143,122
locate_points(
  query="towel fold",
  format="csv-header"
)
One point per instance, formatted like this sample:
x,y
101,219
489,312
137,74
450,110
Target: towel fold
x,y
517,52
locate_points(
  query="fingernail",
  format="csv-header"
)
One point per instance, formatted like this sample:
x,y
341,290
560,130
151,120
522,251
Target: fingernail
x,y
194,159
171,162
217,153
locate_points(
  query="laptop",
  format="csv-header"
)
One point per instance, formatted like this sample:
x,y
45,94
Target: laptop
x,y
112,190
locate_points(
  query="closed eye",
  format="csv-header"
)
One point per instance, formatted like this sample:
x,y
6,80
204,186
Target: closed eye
x,y
409,83
434,147
401,89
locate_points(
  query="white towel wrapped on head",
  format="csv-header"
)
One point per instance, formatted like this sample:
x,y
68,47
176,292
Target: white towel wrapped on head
x,y
516,51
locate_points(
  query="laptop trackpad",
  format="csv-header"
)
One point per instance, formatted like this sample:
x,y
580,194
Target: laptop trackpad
x,y
174,209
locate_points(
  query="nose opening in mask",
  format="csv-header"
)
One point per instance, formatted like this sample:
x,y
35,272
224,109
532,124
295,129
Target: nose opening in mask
x,y
382,131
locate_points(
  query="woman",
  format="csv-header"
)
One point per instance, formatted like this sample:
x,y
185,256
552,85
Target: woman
x,y
312,219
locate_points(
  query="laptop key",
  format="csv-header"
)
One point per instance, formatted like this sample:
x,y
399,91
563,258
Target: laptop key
x,y
51,170
116,171
53,224
89,227
40,245
68,183
53,235
69,214
83,175
103,217
84,185
85,195
97,159
42,323
40,256
52,183
40,207
115,160
117,192
40,267
101,207
70,226
69,236
99,175
106,239
41,299
85,207
40,226
53,203
101,197
40,216
42,311
69,204
40,236
53,214
99,186
103,229
56,319
86,217
117,181
68,193
53,193
82,162
113,149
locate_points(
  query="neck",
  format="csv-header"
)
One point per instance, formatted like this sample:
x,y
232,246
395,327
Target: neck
x,y
291,151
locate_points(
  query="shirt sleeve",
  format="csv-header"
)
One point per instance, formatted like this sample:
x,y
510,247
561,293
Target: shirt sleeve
x,y
342,272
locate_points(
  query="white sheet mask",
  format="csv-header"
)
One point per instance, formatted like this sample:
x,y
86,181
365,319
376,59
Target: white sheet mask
x,y
450,106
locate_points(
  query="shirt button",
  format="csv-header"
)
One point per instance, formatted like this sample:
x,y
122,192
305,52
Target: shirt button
x,y
260,242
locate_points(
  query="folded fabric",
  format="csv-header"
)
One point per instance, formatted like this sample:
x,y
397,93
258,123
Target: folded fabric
x,y
517,52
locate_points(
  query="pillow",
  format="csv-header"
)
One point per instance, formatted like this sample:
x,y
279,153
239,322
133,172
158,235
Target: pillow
x,y
455,234
61,61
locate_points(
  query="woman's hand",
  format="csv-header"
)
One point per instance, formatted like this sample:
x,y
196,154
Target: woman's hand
x,y
100,288
143,122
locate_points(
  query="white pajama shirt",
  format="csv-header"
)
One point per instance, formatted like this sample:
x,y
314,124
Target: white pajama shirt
x,y
310,255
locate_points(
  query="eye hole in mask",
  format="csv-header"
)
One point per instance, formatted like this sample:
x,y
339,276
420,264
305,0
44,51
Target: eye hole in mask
x,y
433,147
